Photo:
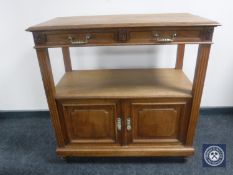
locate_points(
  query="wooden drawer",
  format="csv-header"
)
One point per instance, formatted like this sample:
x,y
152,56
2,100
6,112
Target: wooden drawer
x,y
160,36
81,38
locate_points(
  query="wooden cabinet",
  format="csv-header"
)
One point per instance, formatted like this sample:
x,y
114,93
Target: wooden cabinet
x,y
124,112
101,122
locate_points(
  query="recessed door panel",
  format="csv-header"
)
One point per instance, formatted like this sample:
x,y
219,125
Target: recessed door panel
x,y
157,123
161,122
91,123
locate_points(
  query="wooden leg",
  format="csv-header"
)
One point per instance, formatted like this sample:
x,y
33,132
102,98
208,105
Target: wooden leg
x,y
47,76
198,83
67,60
180,56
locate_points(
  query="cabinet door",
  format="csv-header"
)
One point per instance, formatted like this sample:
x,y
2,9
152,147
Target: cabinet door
x,y
91,122
157,123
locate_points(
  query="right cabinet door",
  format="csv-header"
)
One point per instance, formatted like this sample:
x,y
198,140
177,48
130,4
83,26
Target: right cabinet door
x,y
157,123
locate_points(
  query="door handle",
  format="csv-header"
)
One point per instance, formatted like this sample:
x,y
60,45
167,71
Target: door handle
x,y
80,41
128,124
163,39
119,124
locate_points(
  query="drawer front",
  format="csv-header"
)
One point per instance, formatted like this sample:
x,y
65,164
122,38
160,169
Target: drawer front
x,y
90,122
123,36
81,38
161,123
159,36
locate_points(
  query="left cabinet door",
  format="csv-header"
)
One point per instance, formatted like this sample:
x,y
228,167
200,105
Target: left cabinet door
x,y
90,122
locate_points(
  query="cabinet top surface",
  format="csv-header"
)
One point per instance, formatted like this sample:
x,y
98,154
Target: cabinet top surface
x,y
137,20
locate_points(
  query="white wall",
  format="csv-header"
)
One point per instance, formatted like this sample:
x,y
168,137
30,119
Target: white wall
x,y
20,81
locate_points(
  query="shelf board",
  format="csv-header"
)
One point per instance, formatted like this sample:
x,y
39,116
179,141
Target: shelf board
x,y
124,83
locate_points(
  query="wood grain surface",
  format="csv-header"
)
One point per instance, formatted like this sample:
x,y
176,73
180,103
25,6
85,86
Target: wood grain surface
x,y
131,83
124,112
135,20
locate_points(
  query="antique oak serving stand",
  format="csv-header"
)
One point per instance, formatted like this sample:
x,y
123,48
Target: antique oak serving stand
x,y
124,112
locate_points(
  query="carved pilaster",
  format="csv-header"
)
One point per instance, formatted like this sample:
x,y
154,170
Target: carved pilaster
x,y
39,38
207,34
123,35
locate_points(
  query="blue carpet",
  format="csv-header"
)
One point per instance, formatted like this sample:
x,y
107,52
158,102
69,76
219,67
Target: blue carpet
x,y
27,146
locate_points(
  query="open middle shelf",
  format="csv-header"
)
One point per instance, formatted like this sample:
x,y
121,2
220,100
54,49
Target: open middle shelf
x,y
124,83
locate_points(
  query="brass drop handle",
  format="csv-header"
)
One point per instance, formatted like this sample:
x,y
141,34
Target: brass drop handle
x,y
119,124
128,124
80,42
164,39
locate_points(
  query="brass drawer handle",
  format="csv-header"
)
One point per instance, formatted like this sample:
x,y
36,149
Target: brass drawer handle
x,y
80,42
164,39
128,124
119,124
